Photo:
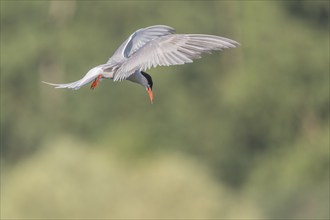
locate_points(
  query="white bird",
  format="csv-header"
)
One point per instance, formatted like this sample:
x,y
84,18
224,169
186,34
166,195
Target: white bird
x,y
150,47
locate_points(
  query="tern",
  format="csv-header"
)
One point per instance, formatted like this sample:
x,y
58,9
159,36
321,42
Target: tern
x,y
148,47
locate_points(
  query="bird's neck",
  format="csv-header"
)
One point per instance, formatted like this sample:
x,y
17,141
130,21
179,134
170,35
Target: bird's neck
x,y
138,78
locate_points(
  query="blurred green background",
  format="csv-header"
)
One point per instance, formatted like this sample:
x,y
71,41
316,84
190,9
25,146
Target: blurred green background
x,y
239,134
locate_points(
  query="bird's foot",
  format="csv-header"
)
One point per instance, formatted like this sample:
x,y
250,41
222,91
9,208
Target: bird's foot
x,y
96,81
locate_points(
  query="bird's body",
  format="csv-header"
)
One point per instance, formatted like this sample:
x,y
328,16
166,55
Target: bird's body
x,y
150,47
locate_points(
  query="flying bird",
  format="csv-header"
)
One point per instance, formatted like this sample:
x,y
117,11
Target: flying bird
x,y
148,47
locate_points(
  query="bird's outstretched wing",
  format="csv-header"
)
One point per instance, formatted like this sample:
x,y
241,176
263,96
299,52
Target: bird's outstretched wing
x,y
172,49
89,77
138,39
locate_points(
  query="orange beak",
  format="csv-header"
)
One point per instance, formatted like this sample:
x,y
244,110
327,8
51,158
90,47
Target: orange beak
x,y
151,96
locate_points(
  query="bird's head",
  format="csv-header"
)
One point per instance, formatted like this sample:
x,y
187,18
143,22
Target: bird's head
x,y
149,86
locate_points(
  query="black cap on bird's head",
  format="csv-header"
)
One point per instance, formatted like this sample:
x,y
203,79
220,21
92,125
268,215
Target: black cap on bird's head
x,y
150,84
148,77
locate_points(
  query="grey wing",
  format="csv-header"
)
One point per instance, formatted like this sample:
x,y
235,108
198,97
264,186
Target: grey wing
x,y
138,39
173,49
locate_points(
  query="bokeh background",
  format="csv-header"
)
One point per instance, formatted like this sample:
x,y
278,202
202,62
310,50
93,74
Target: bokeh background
x,y
239,134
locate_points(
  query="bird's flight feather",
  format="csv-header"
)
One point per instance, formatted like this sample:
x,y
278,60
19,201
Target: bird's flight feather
x,y
174,49
138,39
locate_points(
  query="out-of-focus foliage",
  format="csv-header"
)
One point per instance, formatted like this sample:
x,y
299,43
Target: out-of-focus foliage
x,y
250,125
104,186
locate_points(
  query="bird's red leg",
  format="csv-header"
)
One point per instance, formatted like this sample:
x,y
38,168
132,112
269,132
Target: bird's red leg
x,y
96,81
